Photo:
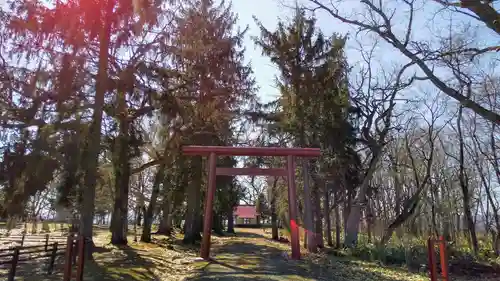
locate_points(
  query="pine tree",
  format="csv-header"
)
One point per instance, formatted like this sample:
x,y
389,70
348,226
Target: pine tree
x,y
207,49
70,30
314,100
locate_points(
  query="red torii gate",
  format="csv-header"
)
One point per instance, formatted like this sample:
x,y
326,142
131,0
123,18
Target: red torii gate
x,y
213,151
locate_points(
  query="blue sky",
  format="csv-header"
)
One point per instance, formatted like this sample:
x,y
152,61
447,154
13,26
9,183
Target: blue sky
x,y
267,11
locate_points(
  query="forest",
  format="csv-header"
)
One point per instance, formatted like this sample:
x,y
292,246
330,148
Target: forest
x,y
97,99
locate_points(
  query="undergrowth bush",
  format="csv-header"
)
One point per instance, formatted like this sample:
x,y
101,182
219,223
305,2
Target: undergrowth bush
x,y
413,254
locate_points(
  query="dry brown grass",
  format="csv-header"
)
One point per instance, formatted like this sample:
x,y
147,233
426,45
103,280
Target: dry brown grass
x,y
249,255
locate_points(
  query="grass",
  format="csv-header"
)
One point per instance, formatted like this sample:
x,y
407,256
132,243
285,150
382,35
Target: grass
x,y
135,262
140,261
249,255
252,256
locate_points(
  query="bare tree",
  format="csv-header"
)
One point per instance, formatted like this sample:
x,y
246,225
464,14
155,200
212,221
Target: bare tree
x,y
478,10
420,147
383,20
376,99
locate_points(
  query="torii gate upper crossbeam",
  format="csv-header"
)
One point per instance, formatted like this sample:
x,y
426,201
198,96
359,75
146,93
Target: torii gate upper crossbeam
x,y
213,171
250,151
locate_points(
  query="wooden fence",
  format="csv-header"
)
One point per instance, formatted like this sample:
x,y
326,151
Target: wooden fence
x,y
21,240
13,256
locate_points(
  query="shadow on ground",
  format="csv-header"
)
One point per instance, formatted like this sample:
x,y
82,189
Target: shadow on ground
x,y
33,270
246,234
243,256
123,263
244,260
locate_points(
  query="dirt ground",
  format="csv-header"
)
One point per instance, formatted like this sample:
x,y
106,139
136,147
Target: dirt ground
x,y
251,255
248,255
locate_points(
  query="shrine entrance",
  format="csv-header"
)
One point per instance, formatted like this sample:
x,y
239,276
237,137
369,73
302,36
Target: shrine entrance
x,y
213,171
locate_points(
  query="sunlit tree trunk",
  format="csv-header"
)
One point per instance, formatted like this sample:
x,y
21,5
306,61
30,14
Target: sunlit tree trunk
x,y
165,226
148,216
119,219
93,144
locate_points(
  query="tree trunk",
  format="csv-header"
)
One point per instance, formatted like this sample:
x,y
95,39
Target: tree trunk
x,y
409,209
165,226
192,225
465,187
345,209
448,217
471,227
148,216
338,224
397,191
318,216
352,227
496,241
488,190
217,226
309,243
354,218
369,221
140,204
326,215
274,226
139,216
433,213
93,143
274,216
230,221
119,221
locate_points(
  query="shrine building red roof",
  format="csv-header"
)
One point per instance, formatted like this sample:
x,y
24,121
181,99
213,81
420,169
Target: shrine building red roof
x,y
246,212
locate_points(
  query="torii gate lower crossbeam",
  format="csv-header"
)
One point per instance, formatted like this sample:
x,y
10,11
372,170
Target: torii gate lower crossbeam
x,y
213,171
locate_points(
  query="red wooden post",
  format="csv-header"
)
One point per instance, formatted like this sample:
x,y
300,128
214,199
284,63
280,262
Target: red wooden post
x,y
432,261
81,258
68,258
444,258
292,208
207,224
